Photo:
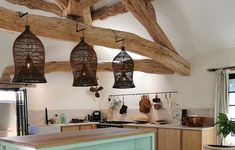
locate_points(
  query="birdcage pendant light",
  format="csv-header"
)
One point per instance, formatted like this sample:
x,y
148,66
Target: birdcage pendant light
x,y
123,67
29,57
83,61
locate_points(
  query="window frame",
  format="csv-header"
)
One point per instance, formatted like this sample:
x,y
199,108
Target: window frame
x,y
231,77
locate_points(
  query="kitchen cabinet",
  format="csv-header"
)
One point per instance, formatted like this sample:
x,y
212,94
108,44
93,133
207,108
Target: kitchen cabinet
x,y
102,139
169,139
179,138
194,140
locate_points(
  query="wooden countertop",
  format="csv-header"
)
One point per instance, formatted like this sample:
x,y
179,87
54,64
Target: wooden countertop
x,y
57,139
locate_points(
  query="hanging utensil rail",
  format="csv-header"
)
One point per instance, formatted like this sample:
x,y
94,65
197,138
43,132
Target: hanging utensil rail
x,y
135,94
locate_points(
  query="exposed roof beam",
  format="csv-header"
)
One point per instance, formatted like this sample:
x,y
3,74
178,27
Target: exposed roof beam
x,y
144,12
113,10
146,65
39,4
62,4
64,29
105,12
88,3
75,7
86,16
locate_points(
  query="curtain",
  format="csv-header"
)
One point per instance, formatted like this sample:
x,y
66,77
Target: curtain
x,y
221,95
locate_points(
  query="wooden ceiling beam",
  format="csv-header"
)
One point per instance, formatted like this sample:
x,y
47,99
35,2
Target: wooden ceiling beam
x,y
86,16
113,10
76,7
88,3
40,5
144,12
64,29
146,65
105,12
63,4
73,9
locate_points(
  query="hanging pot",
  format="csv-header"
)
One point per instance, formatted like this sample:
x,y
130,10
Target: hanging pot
x,y
145,104
114,102
156,99
123,109
158,106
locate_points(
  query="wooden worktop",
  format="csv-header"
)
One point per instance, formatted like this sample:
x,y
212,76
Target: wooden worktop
x,y
57,139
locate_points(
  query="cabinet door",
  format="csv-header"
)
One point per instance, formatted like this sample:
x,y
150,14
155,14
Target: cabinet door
x,y
69,128
194,140
153,130
169,139
191,139
208,136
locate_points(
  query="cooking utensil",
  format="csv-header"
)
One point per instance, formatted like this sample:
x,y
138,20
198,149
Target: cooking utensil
x,y
145,104
123,109
165,102
157,106
156,99
114,102
97,94
195,121
96,90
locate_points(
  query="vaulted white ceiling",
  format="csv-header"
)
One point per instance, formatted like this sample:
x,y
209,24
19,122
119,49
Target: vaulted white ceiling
x,y
196,26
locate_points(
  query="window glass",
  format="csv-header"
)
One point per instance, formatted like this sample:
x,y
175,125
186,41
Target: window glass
x,y
7,95
231,98
232,112
232,85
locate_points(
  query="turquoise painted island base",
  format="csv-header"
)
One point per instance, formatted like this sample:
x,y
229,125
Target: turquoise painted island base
x,y
135,142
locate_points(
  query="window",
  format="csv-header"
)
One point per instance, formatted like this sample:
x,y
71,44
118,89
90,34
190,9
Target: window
x,y
7,96
231,96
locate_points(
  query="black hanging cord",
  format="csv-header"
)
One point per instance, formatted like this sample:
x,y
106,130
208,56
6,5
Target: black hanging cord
x,y
24,14
119,39
79,30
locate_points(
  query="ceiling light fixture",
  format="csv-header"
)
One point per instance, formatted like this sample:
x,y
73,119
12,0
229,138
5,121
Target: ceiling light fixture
x,y
83,61
123,67
29,57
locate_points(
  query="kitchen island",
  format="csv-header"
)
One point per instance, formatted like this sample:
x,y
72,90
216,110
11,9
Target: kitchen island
x,y
98,139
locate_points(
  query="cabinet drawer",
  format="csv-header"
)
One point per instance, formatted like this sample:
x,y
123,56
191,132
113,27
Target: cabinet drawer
x,y
86,127
69,128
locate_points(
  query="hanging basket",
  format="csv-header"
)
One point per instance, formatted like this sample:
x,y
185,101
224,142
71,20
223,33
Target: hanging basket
x,y
123,67
83,61
29,58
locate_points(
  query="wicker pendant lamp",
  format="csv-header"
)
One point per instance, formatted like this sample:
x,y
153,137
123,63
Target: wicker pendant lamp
x,y
29,58
83,61
123,67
